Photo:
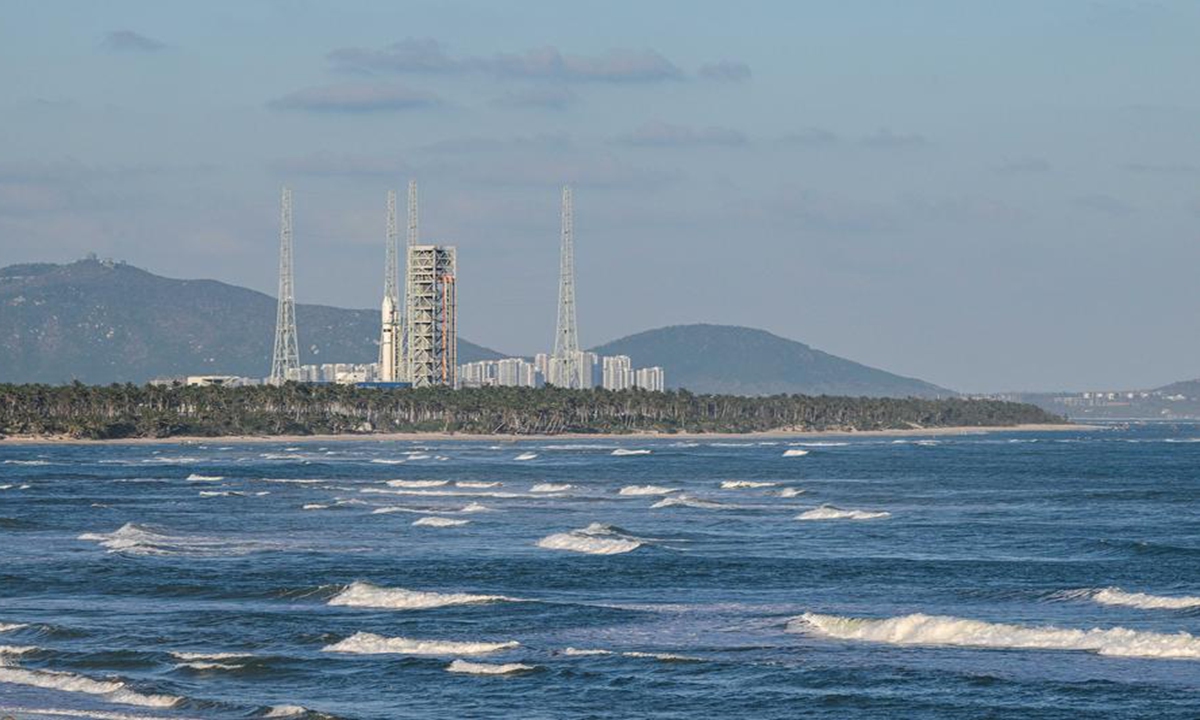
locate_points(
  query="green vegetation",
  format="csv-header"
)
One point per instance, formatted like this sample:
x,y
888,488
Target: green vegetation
x,y
129,411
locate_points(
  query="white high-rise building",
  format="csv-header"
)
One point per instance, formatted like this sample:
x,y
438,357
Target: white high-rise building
x,y
509,372
618,372
651,378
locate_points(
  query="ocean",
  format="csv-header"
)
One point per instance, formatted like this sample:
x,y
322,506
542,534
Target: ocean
x,y
1030,575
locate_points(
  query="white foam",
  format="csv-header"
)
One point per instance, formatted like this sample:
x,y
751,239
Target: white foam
x,y
361,594
474,507
819,444
476,484
646,490
362,643
197,477
221,493
473,668
189,656
919,629
417,456
595,539
314,506
623,452
8,627
278,711
526,456
794,452
665,657
740,484
416,483
829,512
585,652
205,665
6,487
59,713
388,509
435,521
549,487
1145,601
16,650
114,691
27,462
382,461
791,492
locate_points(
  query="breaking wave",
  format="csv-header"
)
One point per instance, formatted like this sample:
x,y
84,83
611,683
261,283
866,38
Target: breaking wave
x,y
920,629
136,540
362,594
526,456
646,490
477,484
197,477
550,487
690,501
829,512
1145,601
473,668
795,452
791,492
9,627
114,691
595,539
363,643
625,452
435,521
742,484
416,483
382,461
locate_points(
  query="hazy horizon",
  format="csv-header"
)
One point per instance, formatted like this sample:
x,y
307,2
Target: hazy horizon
x,y
987,198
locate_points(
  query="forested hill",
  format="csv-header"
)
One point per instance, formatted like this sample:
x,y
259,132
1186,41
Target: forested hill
x,y
745,361
126,411
103,322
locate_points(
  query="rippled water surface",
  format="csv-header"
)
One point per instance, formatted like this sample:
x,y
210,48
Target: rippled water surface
x,y
1018,575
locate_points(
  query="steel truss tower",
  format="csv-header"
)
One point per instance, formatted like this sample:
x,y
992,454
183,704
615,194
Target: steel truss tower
x,y
285,361
566,341
432,315
391,334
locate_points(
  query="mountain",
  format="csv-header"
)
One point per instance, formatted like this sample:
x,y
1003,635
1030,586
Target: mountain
x,y
103,322
744,361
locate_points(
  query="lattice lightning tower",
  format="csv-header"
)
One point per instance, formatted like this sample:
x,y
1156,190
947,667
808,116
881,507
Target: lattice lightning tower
x,y
285,361
566,340
392,269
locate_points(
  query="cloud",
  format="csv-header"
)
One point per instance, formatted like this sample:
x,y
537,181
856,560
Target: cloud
x,y
1162,168
1105,205
658,134
811,137
130,41
356,98
726,70
413,55
885,139
1028,166
544,98
546,63
548,142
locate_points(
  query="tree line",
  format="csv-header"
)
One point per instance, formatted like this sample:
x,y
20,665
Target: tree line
x,y
156,411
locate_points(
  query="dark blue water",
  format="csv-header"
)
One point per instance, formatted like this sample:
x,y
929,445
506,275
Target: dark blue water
x,y
1033,575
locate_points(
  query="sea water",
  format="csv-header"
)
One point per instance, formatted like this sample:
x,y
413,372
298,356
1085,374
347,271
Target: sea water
x,y
1032,575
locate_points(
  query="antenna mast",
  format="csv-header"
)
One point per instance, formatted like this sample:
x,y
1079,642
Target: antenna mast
x,y
285,360
566,340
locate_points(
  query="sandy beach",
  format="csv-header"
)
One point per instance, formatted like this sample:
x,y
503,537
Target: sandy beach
x,y
428,436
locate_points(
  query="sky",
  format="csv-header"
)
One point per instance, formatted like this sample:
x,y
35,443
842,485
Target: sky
x,y
988,196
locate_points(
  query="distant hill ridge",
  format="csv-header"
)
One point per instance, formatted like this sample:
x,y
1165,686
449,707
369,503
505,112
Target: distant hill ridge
x,y
102,322
744,361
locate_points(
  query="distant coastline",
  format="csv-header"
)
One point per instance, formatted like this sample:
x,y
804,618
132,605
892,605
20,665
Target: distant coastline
x,y
782,434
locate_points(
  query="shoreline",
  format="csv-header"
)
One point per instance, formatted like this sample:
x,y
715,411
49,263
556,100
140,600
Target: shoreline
x,y
15,440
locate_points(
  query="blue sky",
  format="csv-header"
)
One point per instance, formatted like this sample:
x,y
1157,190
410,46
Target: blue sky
x,y
985,195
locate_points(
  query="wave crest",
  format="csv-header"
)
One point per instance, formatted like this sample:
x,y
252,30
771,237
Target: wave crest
x,y
920,629
829,512
595,539
362,594
363,643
